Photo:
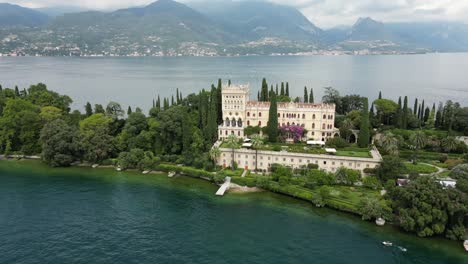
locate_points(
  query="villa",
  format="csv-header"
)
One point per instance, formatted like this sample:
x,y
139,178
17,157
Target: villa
x,y
317,119
239,112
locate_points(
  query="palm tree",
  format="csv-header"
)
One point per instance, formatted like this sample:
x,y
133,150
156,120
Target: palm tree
x,y
345,129
389,143
232,142
257,141
214,154
419,141
449,144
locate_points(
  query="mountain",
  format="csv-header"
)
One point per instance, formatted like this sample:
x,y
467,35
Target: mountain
x,y
253,20
54,11
162,21
437,36
14,15
367,29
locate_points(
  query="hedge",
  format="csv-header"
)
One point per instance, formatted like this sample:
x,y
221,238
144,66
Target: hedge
x,y
244,181
196,173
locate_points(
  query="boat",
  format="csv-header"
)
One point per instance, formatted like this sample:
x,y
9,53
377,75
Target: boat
x,y
402,249
387,243
465,244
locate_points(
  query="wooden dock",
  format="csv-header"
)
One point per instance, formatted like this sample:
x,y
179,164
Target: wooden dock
x,y
224,187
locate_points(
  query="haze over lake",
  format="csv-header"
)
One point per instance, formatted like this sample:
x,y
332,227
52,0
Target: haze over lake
x,y
136,81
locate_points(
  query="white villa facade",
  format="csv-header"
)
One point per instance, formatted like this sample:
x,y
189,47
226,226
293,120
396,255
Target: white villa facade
x,y
239,112
318,119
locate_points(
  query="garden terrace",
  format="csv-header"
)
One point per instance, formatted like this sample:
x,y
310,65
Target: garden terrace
x,y
306,149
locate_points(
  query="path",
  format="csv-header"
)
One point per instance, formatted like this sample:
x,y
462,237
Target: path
x,y
224,187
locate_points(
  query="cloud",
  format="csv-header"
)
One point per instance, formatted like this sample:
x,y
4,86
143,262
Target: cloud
x,y
324,13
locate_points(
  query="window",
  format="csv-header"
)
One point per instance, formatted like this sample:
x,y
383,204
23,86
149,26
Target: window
x,y
323,126
303,116
313,125
259,123
313,116
325,162
324,116
248,122
333,163
260,114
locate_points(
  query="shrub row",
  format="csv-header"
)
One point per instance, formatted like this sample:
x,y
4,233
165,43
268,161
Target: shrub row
x,y
188,171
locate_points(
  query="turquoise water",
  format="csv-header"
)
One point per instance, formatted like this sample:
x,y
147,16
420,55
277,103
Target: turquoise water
x,y
102,216
135,81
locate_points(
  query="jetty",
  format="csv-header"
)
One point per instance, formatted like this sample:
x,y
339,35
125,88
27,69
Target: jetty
x,y
224,187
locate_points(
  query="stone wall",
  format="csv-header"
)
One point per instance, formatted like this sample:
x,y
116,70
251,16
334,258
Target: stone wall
x,y
245,158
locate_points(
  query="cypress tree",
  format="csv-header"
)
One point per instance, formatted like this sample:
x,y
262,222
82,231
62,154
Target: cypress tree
x,y
166,103
229,82
177,96
415,108
212,127
1,88
154,104
419,113
364,133
17,92
380,94
88,109
258,96
427,113
271,91
311,96
423,108
264,93
129,110
272,126
398,115
404,119
306,95
172,100
287,89
277,89
158,103
24,93
219,100
282,88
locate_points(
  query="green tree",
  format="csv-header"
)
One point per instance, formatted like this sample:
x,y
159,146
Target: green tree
x,y
405,114
88,109
311,96
306,95
364,133
332,96
257,142
415,107
287,89
114,110
129,110
49,113
98,109
233,143
272,125
60,146
215,153
418,140
390,168
449,144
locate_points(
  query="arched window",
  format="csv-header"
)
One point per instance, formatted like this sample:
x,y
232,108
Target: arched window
x,y
323,126
260,114
259,123
248,123
239,122
293,124
313,125
248,113
233,122
227,122
288,124
324,116
313,116
303,116
279,115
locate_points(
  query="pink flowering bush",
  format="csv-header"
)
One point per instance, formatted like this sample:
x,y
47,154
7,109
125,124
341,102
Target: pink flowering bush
x,y
294,132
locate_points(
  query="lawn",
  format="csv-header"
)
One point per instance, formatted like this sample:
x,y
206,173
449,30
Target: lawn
x,y
303,148
419,168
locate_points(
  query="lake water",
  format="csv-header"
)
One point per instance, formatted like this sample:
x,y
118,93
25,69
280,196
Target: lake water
x,y
136,81
102,216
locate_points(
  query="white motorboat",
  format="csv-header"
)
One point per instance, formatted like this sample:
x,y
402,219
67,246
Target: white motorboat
x,y
387,243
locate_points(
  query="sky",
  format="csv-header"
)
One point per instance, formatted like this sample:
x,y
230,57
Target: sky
x,y
323,13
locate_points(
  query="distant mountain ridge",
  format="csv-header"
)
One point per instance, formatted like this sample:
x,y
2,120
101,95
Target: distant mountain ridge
x,y
13,15
166,27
